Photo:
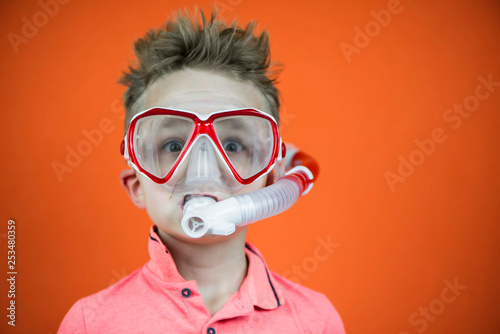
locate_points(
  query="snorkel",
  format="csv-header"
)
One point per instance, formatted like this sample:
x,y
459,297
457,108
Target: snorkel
x,y
224,150
204,215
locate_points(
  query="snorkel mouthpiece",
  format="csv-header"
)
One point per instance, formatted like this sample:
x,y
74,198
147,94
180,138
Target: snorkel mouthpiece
x,y
204,215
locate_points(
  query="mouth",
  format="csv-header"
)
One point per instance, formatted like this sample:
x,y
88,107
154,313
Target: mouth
x,y
191,196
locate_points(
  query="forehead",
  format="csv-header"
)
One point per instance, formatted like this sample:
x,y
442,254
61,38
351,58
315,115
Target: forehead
x,y
202,92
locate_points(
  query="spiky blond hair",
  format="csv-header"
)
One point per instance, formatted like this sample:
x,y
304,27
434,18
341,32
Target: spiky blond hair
x,y
187,42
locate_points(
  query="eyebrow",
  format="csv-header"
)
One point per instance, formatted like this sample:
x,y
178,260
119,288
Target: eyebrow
x,y
174,122
235,123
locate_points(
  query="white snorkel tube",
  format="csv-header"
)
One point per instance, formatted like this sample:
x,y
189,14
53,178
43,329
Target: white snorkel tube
x,y
204,215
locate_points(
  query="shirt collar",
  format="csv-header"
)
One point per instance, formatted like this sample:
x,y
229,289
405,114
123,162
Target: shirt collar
x,y
259,286
262,288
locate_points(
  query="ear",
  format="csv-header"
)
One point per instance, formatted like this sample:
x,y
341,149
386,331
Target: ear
x,y
132,186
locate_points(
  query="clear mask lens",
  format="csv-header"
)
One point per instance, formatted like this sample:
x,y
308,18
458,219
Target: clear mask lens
x,y
246,141
159,141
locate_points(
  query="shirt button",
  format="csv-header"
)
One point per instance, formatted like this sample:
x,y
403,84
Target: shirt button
x,y
186,293
210,330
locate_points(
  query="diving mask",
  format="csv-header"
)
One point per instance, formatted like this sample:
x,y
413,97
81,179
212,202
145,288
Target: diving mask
x,y
179,148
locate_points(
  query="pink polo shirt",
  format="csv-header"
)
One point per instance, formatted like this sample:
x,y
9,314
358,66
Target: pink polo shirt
x,y
156,299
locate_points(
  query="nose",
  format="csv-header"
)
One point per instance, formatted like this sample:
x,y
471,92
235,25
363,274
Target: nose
x,y
203,164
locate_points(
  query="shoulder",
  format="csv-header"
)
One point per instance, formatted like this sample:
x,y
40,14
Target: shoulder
x,y
309,306
90,308
124,288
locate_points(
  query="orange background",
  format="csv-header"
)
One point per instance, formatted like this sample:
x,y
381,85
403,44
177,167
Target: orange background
x,y
395,248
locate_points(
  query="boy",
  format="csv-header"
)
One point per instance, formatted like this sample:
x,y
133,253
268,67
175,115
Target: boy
x,y
188,73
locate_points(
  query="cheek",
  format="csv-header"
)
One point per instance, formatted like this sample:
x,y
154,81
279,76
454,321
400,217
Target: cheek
x,y
259,184
162,207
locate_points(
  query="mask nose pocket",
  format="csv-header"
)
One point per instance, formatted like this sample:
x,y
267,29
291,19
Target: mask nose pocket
x,y
203,164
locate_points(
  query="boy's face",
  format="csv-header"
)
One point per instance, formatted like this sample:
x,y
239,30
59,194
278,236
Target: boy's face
x,y
202,92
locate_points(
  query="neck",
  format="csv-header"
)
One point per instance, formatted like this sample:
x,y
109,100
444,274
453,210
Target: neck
x,y
218,267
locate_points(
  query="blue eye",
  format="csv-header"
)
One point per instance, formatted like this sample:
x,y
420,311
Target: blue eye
x,y
232,146
173,146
